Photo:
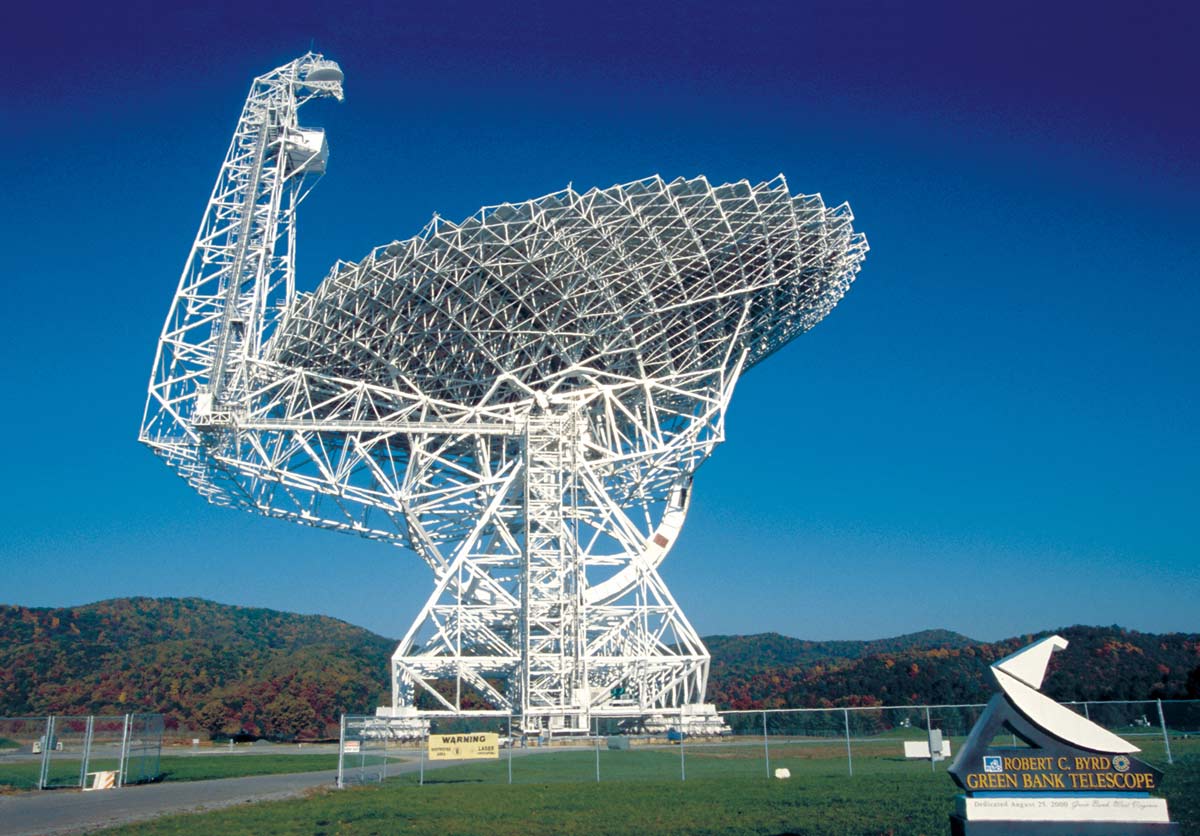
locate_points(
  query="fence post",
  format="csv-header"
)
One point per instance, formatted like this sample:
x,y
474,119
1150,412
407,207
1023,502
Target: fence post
x,y
510,748
87,751
124,762
682,764
422,745
849,756
47,745
597,750
766,746
1166,737
387,738
929,737
341,783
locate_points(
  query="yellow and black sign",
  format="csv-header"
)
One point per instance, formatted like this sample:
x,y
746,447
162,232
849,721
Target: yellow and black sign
x,y
454,747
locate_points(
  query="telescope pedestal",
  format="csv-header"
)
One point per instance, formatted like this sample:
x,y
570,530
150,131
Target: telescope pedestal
x,y
552,608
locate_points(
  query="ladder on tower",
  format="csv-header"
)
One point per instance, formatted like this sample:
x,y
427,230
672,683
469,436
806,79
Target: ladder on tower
x,y
553,676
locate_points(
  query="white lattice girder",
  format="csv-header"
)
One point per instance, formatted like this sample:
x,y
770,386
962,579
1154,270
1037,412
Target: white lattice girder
x,y
645,280
522,398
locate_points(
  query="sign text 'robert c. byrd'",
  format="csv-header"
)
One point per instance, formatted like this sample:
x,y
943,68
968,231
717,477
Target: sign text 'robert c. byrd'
x,y
1059,772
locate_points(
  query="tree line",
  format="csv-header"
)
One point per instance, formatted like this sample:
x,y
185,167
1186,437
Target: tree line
x,y
255,672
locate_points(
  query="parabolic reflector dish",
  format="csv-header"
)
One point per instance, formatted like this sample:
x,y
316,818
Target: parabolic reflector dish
x,y
648,279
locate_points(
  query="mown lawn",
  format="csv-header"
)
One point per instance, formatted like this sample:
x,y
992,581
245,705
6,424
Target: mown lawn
x,y
63,772
551,796
204,768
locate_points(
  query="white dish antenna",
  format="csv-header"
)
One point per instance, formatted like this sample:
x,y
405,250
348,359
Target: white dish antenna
x,y
521,398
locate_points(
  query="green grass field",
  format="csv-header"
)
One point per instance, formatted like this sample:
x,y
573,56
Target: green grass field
x,y
64,772
554,792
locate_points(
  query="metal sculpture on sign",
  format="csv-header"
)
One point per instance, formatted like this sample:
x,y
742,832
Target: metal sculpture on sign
x,y
1068,774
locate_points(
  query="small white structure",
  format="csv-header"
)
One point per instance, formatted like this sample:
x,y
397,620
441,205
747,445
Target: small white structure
x,y
104,780
783,772
920,749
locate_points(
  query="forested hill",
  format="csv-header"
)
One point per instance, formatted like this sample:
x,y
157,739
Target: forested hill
x,y
205,665
939,667
238,670
775,650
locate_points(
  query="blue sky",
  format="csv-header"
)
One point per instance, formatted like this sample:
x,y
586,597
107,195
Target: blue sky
x,y
995,432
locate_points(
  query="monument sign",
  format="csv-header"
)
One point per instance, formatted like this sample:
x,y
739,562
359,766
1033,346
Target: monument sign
x,y
1069,776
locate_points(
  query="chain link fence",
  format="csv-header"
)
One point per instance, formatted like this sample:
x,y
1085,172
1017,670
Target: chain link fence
x,y
62,751
773,743
366,746
143,749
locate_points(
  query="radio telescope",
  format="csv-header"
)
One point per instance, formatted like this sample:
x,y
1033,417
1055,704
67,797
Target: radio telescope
x,y
521,398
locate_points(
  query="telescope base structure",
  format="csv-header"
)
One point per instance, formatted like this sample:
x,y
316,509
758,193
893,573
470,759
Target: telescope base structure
x,y
552,609
700,720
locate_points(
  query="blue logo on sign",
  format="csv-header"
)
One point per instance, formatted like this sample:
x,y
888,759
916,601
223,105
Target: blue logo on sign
x,y
993,763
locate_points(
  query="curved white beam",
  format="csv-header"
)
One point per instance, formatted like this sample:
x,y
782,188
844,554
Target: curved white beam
x,y
657,546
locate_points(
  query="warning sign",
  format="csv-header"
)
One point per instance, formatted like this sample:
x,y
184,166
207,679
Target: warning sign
x,y
453,747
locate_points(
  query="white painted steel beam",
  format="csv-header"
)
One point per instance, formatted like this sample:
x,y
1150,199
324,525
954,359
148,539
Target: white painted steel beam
x,y
522,399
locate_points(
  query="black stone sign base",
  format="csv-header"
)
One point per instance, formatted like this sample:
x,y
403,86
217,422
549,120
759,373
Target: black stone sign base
x,y
961,827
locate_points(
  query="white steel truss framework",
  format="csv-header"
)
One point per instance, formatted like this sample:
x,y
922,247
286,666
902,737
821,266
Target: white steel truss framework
x,y
522,399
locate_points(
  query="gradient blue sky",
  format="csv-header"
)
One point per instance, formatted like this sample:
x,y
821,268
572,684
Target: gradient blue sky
x,y
995,432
